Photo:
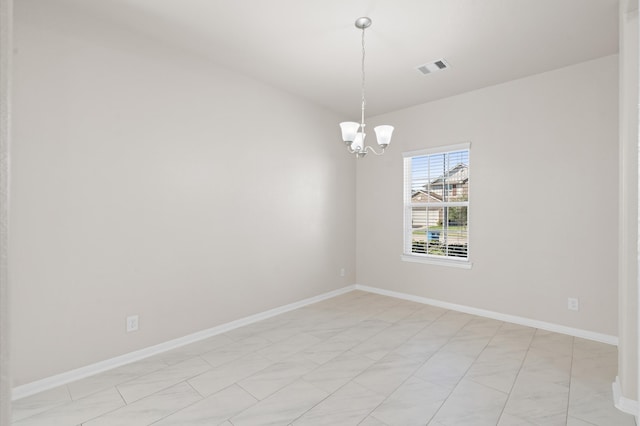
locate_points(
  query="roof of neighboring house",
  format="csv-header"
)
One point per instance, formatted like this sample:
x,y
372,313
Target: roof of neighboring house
x,y
457,175
428,196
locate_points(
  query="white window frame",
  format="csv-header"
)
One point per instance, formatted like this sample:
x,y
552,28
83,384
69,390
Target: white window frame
x,y
407,255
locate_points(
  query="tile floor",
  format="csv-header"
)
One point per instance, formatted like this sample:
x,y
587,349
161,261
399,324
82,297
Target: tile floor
x,y
357,359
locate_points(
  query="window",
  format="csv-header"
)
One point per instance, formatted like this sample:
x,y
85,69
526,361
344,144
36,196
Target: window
x,y
436,205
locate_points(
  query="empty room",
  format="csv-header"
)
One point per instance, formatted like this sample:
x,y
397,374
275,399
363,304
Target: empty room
x,y
319,212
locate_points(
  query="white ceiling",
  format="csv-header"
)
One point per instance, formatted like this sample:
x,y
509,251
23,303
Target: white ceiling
x,y
312,48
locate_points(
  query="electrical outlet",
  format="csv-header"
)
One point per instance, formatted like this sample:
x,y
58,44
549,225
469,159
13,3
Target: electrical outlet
x,y
573,304
132,323
342,273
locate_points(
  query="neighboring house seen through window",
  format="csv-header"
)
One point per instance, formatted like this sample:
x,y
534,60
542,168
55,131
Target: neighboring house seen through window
x,y
436,203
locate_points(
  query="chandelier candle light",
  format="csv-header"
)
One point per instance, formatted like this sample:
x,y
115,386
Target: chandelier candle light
x,y
353,133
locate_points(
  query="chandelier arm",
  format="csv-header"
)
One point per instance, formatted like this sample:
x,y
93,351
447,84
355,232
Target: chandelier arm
x,y
361,153
370,148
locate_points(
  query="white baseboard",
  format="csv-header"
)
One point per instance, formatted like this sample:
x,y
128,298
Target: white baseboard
x,y
623,404
99,367
585,334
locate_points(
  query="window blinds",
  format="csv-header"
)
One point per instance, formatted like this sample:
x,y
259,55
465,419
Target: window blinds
x,y
436,202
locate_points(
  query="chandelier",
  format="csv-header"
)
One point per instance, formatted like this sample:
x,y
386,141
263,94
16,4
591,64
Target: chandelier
x,y
353,133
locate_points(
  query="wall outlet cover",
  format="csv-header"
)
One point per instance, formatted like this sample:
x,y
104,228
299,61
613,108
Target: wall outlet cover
x,y
573,304
132,323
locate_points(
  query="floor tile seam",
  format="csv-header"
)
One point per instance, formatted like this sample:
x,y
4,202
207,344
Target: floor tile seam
x,y
224,345
432,322
72,401
435,352
345,329
480,351
598,389
394,389
249,392
372,318
318,387
165,368
352,380
399,319
228,333
412,374
489,387
512,357
186,406
438,349
573,348
298,333
121,396
549,353
276,359
228,419
235,382
372,415
137,376
374,314
392,351
66,386
582,420
407,321
157,392
464,375
393,348
180,409
388,395
467,320
427,324
226,364
322,365
54,405
444,311
581,360
196,390
444,401
107,412
480,384
236,339
373,335
326,362
269,366
172,413
515,380
101,389
50,409
185,379
329,394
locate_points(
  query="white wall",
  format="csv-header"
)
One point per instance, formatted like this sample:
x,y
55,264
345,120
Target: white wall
x,y
147,181
628,262
544,198
6,47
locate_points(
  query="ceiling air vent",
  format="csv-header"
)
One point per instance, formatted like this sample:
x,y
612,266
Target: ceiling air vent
x,y
434,66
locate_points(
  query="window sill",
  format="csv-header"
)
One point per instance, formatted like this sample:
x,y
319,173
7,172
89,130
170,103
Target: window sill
x,y
463,264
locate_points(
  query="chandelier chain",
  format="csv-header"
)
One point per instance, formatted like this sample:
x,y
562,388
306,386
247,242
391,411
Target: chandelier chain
x,y
363,99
